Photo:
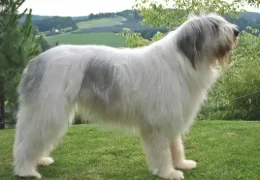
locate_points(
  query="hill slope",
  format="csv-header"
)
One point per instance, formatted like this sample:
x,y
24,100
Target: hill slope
x,y
104,22
223,150
106,38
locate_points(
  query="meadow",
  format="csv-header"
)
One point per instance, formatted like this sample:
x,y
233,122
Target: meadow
x,y
106,38
224,150
100,22
99,38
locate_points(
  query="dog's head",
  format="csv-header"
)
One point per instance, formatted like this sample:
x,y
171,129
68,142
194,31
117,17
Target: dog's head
x,y
207,38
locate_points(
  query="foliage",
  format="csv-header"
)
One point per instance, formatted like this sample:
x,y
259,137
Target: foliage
x,y
132,17
18,44
149,33
224,151
48,23
134,39
170,13
34,17
56,22
174,12
128,14
44,44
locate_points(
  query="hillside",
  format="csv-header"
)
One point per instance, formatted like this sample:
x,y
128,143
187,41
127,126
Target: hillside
x,y
223,150
106,38
246,19
104,22
115,23
35,17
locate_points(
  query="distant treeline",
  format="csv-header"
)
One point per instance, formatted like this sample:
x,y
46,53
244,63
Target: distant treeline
x,y
128,14
247,19
48,23
55,22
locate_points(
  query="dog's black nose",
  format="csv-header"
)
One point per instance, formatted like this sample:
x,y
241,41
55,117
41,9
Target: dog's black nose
x,y
236,32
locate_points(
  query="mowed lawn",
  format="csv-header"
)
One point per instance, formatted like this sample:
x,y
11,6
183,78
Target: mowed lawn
x,y
104,38
99,22
224,151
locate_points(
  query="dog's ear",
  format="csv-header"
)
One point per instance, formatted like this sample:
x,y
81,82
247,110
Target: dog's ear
x,y
222,50
190,42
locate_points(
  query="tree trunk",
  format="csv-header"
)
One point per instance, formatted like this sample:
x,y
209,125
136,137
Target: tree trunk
x,y
2,103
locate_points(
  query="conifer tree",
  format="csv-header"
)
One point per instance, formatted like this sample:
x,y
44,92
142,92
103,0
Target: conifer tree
x,y
18,44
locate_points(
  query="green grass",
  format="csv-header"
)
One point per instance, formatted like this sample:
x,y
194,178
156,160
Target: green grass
x,y
99,22
102,38
107,38
223,150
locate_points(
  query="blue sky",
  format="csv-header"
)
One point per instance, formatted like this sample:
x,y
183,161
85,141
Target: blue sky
x,y
79,7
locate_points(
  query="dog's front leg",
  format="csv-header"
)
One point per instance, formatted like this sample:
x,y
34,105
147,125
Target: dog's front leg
x,y
158,154
178,155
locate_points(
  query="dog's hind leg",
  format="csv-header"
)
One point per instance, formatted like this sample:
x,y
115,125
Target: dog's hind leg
x,y
49,121
178,155
158,154
25,117
46,158
23,151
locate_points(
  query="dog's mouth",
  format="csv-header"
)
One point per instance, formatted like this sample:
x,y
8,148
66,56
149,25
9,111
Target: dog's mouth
x,y
224,55
235,41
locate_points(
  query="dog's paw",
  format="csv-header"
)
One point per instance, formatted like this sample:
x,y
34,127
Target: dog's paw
x,y
186,164
46,161
176,175
171,175
29,175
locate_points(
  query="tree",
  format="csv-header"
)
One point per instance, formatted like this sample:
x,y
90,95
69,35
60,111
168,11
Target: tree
x,y
47,24
18,43
44,44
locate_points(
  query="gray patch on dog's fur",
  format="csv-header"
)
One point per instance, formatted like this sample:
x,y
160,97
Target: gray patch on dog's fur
x,y
193,38
32,78
99,84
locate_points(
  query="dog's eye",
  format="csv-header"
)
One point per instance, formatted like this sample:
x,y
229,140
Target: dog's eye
x,y
236,32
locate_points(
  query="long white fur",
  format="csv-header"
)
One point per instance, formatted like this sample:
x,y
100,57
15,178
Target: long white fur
x,y
156,80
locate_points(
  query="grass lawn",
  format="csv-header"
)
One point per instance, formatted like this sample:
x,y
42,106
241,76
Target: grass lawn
x,y
99,22
107,38
223,150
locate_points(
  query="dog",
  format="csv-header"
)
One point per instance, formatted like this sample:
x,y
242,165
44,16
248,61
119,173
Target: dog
x,y
157,89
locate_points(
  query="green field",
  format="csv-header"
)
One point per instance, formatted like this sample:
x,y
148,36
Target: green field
x,y
110,39
99,22
102,38
224,150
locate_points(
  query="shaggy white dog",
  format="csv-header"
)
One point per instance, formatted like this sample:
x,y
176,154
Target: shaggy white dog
x,y
157,88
